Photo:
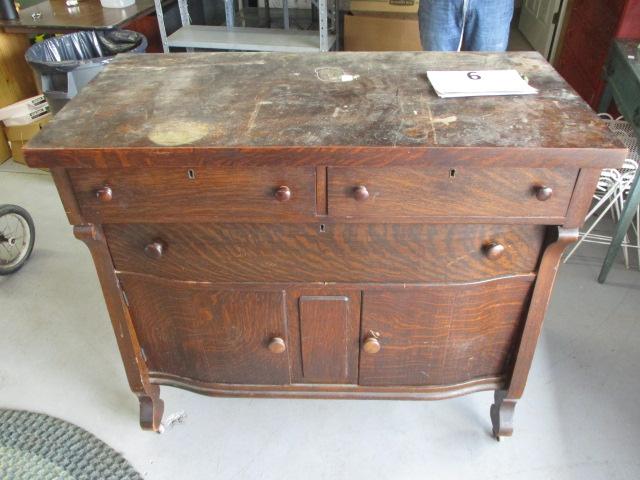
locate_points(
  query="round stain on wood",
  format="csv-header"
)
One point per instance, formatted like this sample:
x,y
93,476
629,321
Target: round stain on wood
x,y
174,133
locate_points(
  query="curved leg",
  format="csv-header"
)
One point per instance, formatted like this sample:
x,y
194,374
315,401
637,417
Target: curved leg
x,y
502,414
151,409
505,400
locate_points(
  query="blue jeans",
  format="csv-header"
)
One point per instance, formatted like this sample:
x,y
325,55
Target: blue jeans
x,y
465,24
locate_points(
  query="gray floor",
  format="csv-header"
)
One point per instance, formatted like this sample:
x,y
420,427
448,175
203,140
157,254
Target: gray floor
x,y
579,418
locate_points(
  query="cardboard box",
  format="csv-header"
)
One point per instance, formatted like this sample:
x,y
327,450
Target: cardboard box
x,y
395,6
5,150
18,135
378,32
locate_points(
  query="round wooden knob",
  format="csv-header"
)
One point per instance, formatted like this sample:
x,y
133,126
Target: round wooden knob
x,y
371,345
544,193
283,194
277,345
493,251
360,193
104,194
155,249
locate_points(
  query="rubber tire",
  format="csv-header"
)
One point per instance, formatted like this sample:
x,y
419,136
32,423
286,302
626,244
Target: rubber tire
x,y
7,209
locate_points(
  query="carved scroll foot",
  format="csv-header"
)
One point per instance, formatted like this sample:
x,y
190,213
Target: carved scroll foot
x,y
502,414
151,409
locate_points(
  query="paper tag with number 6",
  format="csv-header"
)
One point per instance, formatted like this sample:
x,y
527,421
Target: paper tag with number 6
x,y
471,83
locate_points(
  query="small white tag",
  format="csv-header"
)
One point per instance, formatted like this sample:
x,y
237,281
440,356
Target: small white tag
x,y
473,83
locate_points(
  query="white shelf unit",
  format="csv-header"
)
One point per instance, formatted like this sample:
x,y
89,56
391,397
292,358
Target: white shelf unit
x,y
231,37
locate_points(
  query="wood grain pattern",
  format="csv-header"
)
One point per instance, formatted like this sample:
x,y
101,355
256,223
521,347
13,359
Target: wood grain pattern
x,y
353,292
16,78
402,192
56,16
329,391
315,156
135,365
324,338
301,101
505,401
170,194
210,334
582,197
341,253
264,275
442,335
65,190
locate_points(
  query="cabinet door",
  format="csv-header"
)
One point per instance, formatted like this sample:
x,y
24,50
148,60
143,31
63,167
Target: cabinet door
x,y
441,335
210,335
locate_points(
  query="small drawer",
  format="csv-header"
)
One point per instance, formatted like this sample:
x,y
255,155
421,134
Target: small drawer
x,y
342,253
533,195
179,194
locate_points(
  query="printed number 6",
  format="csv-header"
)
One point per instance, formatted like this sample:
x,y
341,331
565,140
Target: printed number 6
x,y
473,76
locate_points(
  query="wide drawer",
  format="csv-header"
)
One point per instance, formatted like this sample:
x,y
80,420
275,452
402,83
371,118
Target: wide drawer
x,y
179,194
440,253
535,195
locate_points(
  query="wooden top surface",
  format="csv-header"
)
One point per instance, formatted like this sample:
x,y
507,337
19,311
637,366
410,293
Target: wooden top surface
x,y
55,16
205,102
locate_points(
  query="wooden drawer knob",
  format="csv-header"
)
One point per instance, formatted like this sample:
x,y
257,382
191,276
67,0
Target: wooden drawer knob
x,y
155,249
277,345
283,194
371,345
360,193
544,193
493,250
104,194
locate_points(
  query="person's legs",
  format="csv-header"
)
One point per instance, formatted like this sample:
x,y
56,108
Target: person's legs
x,y
487,25
441,23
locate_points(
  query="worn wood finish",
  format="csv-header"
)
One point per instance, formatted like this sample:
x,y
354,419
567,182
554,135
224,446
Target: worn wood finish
x,y
505,402
442,335
299,235
302,101
582,197
325,341
326,252
315,156
194,194
209,334
136,368
65,190
295,293
343,392
412,192
57,17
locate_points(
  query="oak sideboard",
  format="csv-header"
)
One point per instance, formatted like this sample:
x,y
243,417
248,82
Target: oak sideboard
x,y
323,225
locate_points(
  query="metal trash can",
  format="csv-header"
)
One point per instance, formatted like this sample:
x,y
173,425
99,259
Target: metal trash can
x,y
67,63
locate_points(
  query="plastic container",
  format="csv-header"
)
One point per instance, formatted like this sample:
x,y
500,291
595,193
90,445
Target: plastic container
x,y
117,3
69,62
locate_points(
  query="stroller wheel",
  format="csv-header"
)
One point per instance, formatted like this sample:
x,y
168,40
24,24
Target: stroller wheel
x,y
17,234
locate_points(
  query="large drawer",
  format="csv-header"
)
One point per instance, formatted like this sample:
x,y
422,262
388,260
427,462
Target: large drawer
x,y
181,194
361,253
535,195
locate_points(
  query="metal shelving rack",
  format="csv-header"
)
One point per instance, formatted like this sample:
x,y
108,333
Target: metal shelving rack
x,y
231,37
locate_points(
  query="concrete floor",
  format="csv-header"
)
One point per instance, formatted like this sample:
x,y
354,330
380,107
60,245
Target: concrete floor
x,y
579,418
